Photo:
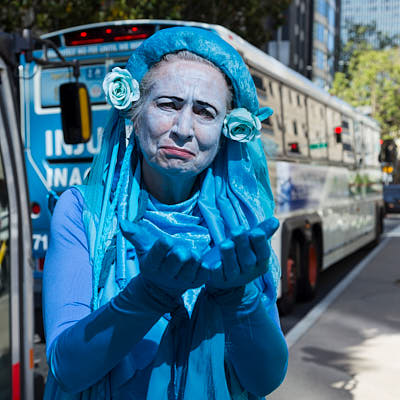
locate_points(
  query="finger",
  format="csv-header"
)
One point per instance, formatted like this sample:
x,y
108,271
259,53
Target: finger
x,y
188,272
259,243
176,258
139,236
269,226
216,275
211,258
202,276
244,252
154,259
230,265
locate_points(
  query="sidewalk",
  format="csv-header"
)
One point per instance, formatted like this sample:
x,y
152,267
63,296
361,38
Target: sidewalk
x,y
350,348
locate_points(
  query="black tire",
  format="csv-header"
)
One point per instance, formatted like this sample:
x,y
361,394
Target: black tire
x,y
289,296
309,272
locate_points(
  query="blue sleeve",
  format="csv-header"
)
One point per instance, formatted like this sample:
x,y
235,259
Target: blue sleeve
x,y
77,339
67,279
255,345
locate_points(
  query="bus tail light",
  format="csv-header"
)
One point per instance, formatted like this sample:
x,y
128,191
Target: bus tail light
x,y
35,208
40,264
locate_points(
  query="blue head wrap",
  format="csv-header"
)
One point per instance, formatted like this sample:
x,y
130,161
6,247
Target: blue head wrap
x,y
235,189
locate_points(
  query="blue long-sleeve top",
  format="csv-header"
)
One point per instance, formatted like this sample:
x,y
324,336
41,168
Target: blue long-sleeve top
x,y
84,347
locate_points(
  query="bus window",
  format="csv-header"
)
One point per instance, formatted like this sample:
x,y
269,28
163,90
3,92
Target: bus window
x,y
317,131
271,129
335,147
258,82
5,340
295,118
348,140
51,79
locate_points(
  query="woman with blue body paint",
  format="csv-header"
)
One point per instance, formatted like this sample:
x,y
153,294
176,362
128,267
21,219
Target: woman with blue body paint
x,y
160,282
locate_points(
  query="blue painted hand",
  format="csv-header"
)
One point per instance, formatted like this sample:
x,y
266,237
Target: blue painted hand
x,y
242,258
170,266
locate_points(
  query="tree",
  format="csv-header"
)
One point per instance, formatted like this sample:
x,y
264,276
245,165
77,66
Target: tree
x,y
362,37
372,79
247,18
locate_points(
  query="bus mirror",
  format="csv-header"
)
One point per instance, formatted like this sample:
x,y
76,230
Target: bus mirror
x,y
76,115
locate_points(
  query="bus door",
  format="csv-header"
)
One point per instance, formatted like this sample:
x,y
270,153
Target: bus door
x,y
16,286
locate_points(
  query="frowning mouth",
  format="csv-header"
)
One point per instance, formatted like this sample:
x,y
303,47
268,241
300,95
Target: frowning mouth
x,y
177,152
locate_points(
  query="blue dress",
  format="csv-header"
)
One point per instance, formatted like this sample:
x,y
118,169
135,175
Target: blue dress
x,y
127,345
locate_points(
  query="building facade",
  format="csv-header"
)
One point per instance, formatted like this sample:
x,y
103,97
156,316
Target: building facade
x,y
384,13
307,40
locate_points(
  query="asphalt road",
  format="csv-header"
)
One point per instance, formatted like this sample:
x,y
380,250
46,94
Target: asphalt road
x,y
346,347
332,276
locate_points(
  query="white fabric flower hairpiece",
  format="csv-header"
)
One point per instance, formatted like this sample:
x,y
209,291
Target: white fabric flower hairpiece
x,y
121,89
243,126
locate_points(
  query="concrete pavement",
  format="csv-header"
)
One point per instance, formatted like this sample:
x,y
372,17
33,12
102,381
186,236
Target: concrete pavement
x,y
349,347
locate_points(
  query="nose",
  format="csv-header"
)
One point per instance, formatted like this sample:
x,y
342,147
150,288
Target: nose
x,y
183,127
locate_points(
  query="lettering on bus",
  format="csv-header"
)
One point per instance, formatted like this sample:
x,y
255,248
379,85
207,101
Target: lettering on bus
x,y
64,177
55,145
95,49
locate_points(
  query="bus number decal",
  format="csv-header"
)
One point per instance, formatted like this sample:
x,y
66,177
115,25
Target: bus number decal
x,y
40,242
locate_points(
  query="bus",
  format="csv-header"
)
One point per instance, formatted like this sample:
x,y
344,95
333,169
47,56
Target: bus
x,y
16,278
322,153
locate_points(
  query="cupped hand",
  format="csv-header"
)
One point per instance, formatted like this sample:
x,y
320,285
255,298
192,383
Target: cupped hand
x,y
242,258
169,265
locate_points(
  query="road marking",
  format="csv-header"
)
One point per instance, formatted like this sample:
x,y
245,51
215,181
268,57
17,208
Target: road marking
x,y
312,316
393,233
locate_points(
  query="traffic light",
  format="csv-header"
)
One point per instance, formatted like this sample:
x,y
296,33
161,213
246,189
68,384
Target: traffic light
x,y
388,151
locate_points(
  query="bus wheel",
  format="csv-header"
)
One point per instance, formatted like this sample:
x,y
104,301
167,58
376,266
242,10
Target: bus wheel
x,y
287,301
309,273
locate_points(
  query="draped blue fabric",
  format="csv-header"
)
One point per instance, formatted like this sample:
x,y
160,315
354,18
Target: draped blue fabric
x,y
234,191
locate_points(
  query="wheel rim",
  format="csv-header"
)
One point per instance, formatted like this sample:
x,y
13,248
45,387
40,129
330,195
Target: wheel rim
x,y
291,277
312,265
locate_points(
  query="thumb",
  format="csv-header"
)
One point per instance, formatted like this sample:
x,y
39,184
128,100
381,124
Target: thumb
x,y
138,235
269,226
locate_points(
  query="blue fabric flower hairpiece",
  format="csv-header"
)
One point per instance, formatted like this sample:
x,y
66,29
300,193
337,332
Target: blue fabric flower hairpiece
x,y
244,126
121,89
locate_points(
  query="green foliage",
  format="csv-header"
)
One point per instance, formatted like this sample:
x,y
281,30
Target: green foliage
x,y
247,18
362,37
373,80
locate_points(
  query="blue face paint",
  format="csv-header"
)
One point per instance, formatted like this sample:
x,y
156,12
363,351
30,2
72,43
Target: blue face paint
x,y
179,127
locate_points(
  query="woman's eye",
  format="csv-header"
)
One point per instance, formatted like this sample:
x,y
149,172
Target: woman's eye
x,y
204,112
168,105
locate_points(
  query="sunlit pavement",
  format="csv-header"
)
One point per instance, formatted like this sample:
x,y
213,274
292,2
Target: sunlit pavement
x,y
352,350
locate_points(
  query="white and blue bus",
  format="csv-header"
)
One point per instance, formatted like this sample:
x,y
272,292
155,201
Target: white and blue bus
x,y
322,153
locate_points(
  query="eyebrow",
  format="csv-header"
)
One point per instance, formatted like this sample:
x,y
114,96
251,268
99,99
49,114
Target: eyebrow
x,y
180,100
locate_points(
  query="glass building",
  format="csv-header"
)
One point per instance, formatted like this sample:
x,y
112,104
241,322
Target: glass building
x,y
306,42
385,13
324,32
